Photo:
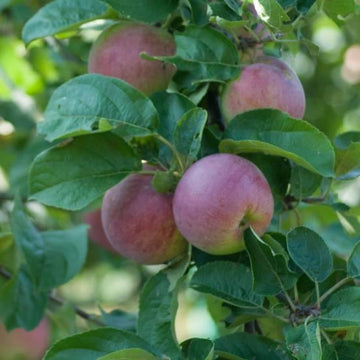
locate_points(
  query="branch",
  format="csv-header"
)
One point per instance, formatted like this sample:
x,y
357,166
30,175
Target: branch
x,y
83,314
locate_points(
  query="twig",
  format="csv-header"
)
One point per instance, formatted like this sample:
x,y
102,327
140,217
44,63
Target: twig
x,y
83,314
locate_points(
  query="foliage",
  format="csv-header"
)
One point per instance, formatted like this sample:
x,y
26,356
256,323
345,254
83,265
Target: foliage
x,y
67,136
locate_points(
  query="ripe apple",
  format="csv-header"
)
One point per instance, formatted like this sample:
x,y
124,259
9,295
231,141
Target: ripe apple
x,y
217,198
269,83
22,344
96,232
117,52
139,222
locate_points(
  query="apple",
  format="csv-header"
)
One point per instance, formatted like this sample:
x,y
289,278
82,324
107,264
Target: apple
x,y
117,51
139,222
350,70
217,198
96,232
268,83
22,344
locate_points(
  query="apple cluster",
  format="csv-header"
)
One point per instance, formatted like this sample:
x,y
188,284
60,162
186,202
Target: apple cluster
x,y
218,196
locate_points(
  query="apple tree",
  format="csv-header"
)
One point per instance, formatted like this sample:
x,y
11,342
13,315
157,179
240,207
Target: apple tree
x,y
203,146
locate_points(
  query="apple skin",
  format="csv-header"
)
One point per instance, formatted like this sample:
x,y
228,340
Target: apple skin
x,y
117,51
96,232
217,198
139,222
23,344
269,83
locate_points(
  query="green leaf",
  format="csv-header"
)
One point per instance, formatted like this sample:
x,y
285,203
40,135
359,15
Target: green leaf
x,y
347,350
62,15
72,175
196,11
277,171
10,255
53,257
303,182
198,349
94,344
347,155
304,341
157,313
21,305
96,103
353,262
144,10
119,319
310,253
203,54
171,107
188,134
130,354
271,12
342,310
271,274
227,280
272,132
251,346
338,8
20,167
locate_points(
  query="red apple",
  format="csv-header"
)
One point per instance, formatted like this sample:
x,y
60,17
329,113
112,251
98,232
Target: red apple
x,y
269,83
96,232
219,197
117,52
22,344
139,222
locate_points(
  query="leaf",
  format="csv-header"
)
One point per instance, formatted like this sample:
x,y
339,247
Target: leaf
x,y
144,10
338,8
60,16
119,319
347,350
197,11
203,54
347,155
72,175
304,341
271,274
198,349
303,182
53,257
94,344
251,346
353,263
130,354
21,305
272,132
271,12
10,255
229,281
171,107
341,311
310,253
188,134
97,103
157,312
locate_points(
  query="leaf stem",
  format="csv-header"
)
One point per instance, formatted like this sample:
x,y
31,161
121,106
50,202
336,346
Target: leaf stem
x,y
334,288
325,336
288,299
174,151
317,295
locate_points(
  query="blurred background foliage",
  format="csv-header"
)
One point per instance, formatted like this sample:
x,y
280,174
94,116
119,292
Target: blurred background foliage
x,y
28,76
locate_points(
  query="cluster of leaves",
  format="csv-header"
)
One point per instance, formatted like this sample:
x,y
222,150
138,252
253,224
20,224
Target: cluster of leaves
x,y
297,281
